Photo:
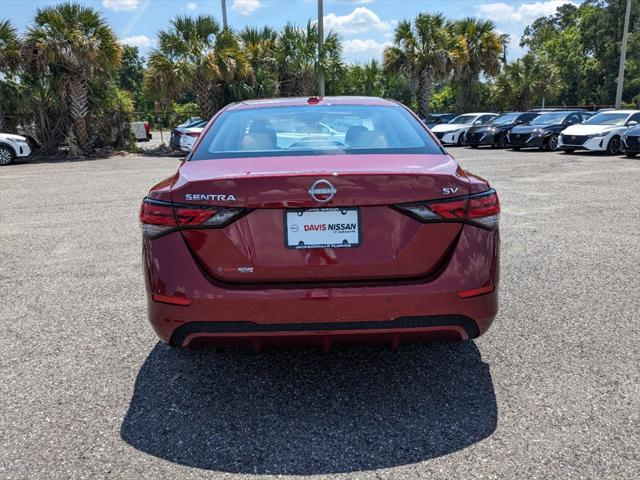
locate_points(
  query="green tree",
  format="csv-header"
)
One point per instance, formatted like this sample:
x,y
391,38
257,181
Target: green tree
x,y
9,63
75,44
298,62
425,51
196,54
131,73
366,79
259,46
525,82
481,47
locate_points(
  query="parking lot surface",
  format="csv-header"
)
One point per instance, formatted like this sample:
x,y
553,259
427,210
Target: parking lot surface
x,y
552,391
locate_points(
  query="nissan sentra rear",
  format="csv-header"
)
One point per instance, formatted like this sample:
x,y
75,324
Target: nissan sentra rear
x,y
324,221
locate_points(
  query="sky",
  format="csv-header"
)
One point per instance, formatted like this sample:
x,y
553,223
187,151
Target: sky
x,y
365,26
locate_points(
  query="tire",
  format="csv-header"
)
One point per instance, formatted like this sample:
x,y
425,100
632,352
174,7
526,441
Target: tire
x,y
473,146
517,149
614,147
460,141
502,142
7,155
568,150
552,143
631,154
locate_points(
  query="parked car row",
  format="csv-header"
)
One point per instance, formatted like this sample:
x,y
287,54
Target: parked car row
x,y
610,131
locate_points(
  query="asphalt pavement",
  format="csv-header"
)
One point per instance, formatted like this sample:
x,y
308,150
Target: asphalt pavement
x,y
551,391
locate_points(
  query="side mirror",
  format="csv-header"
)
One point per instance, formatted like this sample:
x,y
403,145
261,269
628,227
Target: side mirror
x,y
569,122
478,122
632,123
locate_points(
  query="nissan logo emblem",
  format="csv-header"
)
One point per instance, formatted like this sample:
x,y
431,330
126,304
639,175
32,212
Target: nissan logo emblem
x,y
322,191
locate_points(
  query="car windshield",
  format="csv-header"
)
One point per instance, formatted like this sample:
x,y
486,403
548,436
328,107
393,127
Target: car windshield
x,y
314,130
607,118
503,119
549,118
464,119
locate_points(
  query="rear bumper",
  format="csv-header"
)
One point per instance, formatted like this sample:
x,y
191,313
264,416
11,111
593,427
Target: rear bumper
x,y
321,314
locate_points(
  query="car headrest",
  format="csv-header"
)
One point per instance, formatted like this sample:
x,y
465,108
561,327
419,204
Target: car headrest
x,y
352,133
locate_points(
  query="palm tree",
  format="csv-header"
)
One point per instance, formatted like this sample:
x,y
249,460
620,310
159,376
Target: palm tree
x,y
9,63
425,52
525,82
366,79
259,46
480,50
196,54
75,44
298,62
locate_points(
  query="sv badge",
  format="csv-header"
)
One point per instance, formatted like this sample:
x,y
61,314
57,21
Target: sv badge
x,y
449,190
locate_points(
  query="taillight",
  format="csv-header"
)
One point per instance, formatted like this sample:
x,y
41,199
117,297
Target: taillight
x,y
147,128
158,218
482,209
193,134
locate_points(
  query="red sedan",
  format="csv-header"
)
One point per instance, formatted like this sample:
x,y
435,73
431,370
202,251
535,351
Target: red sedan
x,y
321,220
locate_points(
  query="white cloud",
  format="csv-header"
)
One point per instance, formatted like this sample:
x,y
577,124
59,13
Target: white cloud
x,y
136,41
357,2
524,13
245,7
360,20
192,6
368,48
120,5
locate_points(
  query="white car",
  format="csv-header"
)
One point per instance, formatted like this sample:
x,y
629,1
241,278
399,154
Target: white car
x,y
454,131
600,133
189,137
12,147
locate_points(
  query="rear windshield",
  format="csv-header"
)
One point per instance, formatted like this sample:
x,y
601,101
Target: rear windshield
x,y
314,130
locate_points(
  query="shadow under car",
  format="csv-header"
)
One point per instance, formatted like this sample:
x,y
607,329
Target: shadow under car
x,y
306,412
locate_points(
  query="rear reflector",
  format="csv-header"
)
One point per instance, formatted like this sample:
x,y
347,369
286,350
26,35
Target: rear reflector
x,y
182,301
476,291
158,218
482,209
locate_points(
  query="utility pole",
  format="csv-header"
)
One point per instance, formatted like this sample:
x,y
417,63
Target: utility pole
x,y
623,55
224,14
320,42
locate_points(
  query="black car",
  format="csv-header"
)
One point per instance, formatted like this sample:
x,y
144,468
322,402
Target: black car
x,y
631,141
434,119
494,133
542,132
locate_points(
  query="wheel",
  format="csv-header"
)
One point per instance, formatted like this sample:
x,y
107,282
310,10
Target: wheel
x,y
552,143
460,141
631,154
613,147
502,142
6,155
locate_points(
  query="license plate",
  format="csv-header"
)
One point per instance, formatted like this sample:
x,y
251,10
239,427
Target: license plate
x,y
322,228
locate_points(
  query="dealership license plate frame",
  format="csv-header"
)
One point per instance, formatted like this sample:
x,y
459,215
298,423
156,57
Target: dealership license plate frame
x,y
322,210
